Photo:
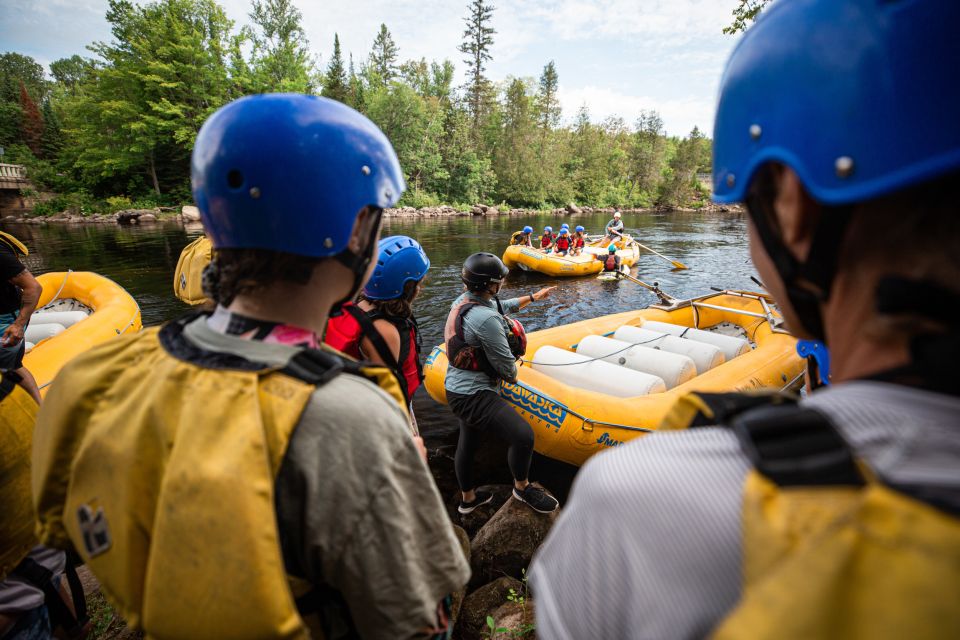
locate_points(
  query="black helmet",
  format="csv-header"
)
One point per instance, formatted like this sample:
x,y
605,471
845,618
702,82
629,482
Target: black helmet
x,y
482,269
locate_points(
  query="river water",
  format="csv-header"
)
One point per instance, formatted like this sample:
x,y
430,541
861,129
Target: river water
x,y
142,259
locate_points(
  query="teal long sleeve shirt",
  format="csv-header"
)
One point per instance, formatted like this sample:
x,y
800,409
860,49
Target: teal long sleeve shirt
x,y
485,327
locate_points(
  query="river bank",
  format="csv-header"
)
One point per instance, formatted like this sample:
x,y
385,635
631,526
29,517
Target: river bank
x,y
189,213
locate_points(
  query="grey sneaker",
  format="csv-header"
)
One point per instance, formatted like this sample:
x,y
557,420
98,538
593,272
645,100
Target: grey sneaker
x,y
480,498
537,499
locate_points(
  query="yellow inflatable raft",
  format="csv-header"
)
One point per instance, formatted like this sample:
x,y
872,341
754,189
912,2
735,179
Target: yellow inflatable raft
x,y
585,264
77,310
588,386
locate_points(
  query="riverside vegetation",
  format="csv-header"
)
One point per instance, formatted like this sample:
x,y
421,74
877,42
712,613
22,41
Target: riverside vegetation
x,y
115,130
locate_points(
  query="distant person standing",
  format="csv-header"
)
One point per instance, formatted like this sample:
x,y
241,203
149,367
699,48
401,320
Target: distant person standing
x,y
19,294
615,228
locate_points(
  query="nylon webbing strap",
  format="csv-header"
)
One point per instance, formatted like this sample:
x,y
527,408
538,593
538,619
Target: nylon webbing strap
x,y
795,446
370,332
60,614
313,366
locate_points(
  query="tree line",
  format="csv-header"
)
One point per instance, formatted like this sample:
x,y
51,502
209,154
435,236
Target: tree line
x,y
118,127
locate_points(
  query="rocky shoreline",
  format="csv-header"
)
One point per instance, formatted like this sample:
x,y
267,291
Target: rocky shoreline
x,y
190,213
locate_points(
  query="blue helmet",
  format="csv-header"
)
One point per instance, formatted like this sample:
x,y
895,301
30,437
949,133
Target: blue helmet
x,y
548,229
565,226
528,229
856,96
289,172
579,228
401,259
612,248
564,232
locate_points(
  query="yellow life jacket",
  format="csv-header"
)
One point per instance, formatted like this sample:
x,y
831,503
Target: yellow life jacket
x,y
13,243
831,551
157,460
188,277
18,413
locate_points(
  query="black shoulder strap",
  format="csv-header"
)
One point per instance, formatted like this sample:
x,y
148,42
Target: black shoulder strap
x,y
370,332
796,446
60,614
721,408
313,366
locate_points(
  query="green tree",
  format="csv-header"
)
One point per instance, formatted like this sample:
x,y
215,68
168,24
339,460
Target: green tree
x,y
51,140
15,69
548,104
383,57
477,40
335,80
281,59
647,153
744,14
70,72
519,176
681,187
162,75
356,91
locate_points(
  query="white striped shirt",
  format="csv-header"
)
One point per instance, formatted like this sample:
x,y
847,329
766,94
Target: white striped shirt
x,y
649,545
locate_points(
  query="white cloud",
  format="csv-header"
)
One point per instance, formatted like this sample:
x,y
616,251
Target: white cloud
x,y
679,115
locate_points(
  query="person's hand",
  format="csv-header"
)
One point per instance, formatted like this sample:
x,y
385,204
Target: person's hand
x,y
421,447
543,293
12,336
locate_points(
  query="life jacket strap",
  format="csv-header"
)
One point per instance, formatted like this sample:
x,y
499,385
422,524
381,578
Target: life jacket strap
x,y
796,446
60,614
370,332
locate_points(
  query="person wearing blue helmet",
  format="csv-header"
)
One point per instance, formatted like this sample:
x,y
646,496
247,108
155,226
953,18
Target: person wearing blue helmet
x,y
578,241
546,240
838,516
562,246
381,327
225,475
523,237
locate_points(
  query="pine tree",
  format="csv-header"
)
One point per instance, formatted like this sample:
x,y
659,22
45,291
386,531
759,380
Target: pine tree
x,y
335,81
477,40
31,127
356,92
548,104
383,57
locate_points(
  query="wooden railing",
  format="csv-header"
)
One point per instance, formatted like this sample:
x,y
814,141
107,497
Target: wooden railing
x,y
13,172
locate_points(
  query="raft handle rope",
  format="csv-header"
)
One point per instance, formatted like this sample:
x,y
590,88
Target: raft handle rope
x,y
570,364
60,290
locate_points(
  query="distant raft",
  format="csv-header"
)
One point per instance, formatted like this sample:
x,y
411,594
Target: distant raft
x,y
585,264
595,384
77,310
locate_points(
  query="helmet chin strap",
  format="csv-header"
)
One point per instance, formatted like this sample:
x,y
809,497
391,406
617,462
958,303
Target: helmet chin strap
x,y
819,269
358,263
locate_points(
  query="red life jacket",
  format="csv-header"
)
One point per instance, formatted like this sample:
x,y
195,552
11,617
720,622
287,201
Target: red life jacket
x,y
563,243
468,357
347,330
578,242
546,240
611,263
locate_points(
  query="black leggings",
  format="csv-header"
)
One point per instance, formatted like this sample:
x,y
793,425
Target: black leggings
x,y
482,412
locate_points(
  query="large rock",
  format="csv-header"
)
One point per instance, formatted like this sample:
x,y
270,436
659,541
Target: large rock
x,y
507,542
574,209
190,213
472,623
457,598
148,217
473,521
517,620
132,216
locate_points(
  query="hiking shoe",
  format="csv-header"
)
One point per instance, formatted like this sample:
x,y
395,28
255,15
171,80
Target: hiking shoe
x,y
536,498
480,498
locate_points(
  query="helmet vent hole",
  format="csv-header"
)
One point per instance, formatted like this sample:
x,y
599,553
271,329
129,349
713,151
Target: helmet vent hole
x,y
235,179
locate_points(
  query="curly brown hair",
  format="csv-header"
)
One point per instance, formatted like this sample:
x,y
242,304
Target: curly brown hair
x,y
232,272
401,307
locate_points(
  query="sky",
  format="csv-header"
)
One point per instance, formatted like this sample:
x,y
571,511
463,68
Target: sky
x,y
617,57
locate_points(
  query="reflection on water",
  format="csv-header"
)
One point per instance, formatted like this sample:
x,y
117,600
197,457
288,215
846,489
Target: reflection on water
x,y
714,246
